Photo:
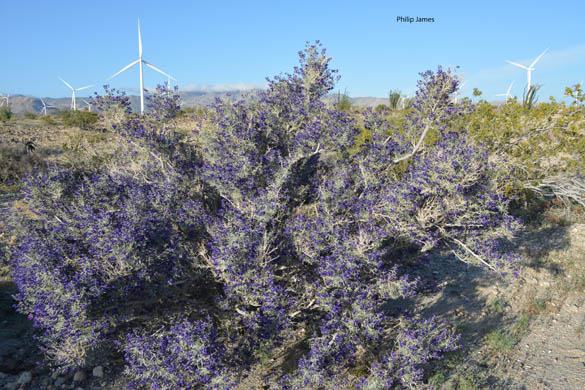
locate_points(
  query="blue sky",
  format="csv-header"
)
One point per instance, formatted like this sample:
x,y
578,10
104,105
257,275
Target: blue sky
x,y
214,44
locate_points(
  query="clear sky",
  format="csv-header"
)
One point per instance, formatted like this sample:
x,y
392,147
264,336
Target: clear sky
x,y
214,44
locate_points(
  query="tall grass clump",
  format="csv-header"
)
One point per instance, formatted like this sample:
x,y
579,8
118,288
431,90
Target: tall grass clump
x,y
191,261
5,113
394,99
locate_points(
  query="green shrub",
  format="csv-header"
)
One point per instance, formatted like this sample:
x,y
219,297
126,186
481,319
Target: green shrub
x,y
48,119
343,102
381,108
81,119
539,148
500,342
5,114
30,115
530,98
394,99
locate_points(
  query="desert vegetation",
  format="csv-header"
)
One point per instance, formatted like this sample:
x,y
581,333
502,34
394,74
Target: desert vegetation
x,y
194,246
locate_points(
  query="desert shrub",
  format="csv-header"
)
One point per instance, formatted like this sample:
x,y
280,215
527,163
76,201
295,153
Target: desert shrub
x,y
539,149
193,262
113,107
164,104
5,113
81,119
15,163
343,101
48,119
529,99
394,99
30,115
381,108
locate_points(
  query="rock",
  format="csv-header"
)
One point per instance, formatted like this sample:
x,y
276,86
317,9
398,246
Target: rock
x,y
3,375
79,376
11,386
98,372
60,381
24,378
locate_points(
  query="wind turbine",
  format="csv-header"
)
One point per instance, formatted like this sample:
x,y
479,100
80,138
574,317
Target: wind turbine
x,y
44,109
88,105
73,90
529,68
507,94
456,98
140,61
6,99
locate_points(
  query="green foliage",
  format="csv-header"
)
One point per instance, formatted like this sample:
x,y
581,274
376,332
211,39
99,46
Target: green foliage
x,y
80,119
531,145
577,94
497,305
48,119
500,342
521,326
381,108
5,113
343,102
394,99
530,98
30,115
476,92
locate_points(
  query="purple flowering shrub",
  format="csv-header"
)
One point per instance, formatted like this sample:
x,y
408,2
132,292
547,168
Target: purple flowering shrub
x,y
193,262
164,103
113,106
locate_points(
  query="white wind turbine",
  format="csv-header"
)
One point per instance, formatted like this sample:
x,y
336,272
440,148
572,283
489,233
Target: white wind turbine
x,y
74,90
140,61
45,106
529,68
456,98
5,99
88,105
507,94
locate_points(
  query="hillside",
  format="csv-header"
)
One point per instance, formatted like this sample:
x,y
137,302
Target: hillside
x,y
21,104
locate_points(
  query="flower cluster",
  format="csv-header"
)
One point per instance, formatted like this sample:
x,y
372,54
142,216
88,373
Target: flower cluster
x,y
164,104
114,107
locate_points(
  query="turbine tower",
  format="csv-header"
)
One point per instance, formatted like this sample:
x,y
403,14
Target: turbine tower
x,y
529,68
5,99
44,109
456,98
88,105
507,94
73,106
140,61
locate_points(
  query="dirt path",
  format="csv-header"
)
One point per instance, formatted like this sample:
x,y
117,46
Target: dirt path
x,y
552,355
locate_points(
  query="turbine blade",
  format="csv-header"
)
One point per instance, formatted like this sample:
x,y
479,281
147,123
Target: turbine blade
x,y
126,68
139,40
87,86
538,58
66,83
42,101
157,69
518,65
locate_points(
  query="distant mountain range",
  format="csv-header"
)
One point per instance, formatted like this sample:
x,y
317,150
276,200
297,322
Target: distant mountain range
x,y
21,105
